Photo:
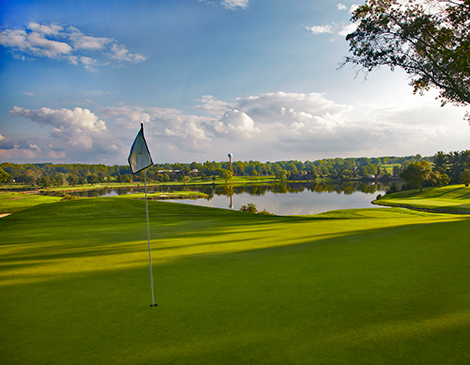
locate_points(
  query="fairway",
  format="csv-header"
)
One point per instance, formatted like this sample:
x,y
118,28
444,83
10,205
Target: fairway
x,y
368,286
452,198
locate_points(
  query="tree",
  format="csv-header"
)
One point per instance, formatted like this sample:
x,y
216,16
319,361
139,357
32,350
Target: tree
x,y
3,175
440,162
465,177
281,175
430,40
185,179
250,208
416,173
225,174
43,182
438,179
72,179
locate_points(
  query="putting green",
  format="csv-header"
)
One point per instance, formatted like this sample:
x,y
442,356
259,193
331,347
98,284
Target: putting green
x,y
363,286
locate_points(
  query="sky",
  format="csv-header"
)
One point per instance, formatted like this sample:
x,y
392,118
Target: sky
x,y
256,78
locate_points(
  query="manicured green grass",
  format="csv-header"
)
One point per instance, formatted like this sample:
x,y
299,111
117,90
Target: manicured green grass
x,y
370,286
14,202
450,197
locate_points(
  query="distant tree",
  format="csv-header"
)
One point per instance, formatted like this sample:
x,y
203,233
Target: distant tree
x,y
292,168
465,177
281,175
396,170
30,177
347,174
43,182
428,39
3,175
438,179
184,179
92,179
393,188
440,162
225,174
72,179
417,173
60,179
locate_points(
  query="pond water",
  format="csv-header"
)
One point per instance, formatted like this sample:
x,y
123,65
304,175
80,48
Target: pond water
x,y
286,199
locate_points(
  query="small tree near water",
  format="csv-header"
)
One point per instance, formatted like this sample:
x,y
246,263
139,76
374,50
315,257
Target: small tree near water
x,y
250,208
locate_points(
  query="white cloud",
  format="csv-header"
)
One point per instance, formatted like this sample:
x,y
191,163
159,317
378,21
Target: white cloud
x,y
81,41
170,127
45,29
234,4
341,6
353,7
121,53
319,29
307,126
214,106
234,124
74,130
33,43
271,126
55,42
347,29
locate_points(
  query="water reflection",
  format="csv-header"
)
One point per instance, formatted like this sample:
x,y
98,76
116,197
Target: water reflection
x,y
282,199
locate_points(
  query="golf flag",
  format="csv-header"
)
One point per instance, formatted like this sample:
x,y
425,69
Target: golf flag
x,y
139,157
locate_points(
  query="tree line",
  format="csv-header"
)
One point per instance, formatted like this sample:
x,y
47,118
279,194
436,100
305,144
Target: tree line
x,y
446,168
48,174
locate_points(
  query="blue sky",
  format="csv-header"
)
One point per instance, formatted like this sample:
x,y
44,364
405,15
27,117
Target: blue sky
x,y
257,78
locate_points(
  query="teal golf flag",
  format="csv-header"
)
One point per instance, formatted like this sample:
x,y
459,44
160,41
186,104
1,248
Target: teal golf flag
x,y
139,157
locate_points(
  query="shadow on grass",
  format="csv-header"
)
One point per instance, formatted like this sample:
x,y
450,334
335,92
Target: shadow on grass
x,y
382,295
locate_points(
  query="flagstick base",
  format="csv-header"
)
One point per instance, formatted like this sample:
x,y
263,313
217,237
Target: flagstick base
x,y
153,305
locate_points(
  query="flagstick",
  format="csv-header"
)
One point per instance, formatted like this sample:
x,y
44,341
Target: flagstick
x,y
148,236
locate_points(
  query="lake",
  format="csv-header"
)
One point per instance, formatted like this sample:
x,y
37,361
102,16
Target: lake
x,y
286,199
293,202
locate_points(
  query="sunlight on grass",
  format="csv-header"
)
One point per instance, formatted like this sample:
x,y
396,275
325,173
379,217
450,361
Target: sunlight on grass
x,y
451,197
351,286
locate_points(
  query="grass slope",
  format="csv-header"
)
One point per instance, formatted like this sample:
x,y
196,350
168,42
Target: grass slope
x,y
371,286
14,202
451,197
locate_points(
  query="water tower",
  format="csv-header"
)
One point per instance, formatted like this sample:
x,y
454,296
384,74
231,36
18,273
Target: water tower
x,y
230,159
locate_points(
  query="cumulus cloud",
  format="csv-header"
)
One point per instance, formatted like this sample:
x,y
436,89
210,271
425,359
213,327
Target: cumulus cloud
x,y
11,148
234,124
307,125
171,127
73,130
70,44
214,106
341,6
